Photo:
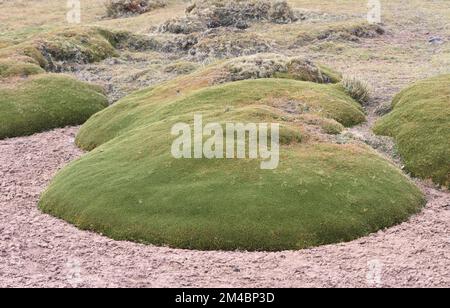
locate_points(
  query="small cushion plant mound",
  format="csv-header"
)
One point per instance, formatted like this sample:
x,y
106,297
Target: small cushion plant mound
x,y
9,68
51,51
47,101
420,124
131,188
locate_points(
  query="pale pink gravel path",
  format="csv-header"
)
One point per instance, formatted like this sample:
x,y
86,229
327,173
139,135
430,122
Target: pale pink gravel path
x,y
37,250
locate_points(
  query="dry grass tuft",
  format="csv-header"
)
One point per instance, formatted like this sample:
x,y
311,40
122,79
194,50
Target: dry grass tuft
x,y
209,14
357,89
275,65
123,8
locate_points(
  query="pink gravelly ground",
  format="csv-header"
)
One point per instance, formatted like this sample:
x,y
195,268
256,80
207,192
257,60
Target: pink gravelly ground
x,y
37,250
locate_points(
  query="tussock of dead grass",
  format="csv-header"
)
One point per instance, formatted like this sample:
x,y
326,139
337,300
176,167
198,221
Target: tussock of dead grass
x,y
126,8
357,88
209,14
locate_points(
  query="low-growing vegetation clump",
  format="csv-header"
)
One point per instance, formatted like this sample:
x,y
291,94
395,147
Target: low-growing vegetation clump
x,y
342,31
357,88
181,67
126,8
322,192
352,32
209,14
209,45
9,68
420,124
216,28
328,126
76,47
46,101
57,50
275,65
220,43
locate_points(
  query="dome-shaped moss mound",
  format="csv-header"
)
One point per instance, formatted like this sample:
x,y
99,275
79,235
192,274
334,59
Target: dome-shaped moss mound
x,y
133,110
131,188
47,101
420,124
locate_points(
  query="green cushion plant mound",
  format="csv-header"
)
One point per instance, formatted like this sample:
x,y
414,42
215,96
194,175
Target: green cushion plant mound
x,y
50,50
328,99
46,101
420,124
85,45
11,69
130,187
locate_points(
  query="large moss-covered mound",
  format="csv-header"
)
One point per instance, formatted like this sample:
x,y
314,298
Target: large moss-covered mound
x,y
130,187
46,101
132,111
420,124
